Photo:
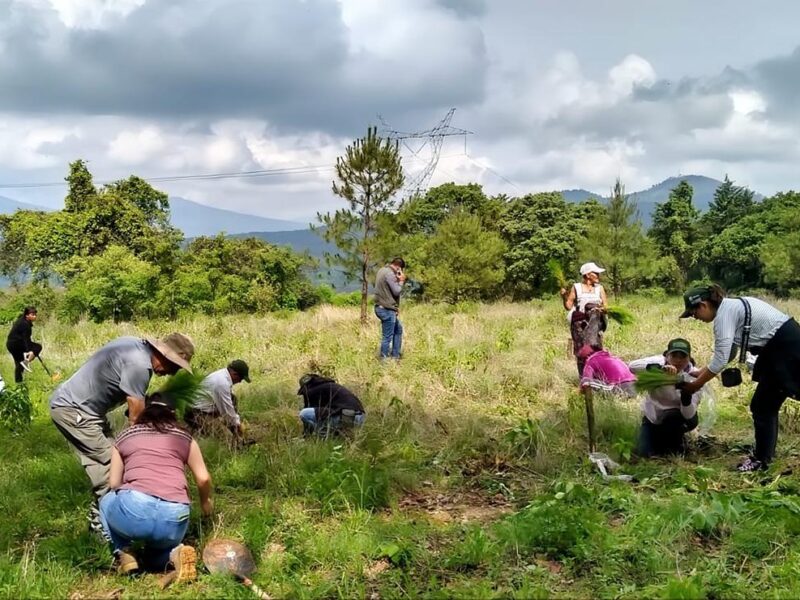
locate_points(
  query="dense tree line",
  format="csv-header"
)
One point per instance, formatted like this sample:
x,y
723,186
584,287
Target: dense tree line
x,y
119,258
462,244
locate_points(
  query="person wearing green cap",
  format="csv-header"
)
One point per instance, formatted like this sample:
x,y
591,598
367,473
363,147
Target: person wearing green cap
x,y
215,399
668,413
773,336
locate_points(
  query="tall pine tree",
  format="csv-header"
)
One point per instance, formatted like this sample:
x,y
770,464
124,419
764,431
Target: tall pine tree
x,y
369,175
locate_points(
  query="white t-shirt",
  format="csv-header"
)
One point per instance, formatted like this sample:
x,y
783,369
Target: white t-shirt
x,y
667,398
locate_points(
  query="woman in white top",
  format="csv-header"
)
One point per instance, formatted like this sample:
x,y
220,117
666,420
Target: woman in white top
x,y
774,337
585,302
668,413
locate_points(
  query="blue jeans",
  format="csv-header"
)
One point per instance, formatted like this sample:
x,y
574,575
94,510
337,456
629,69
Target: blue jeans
x,y
309,418
130,516
391,332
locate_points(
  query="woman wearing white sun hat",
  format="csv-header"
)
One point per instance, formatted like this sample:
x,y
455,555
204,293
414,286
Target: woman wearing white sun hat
x,y
586,302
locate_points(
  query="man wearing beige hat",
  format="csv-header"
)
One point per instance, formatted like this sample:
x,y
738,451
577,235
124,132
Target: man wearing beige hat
x,y
118,373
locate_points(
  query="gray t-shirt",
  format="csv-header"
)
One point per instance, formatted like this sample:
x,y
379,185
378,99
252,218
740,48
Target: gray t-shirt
x,y
119,369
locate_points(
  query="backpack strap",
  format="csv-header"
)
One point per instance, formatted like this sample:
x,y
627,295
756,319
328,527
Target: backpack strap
x,y
748,318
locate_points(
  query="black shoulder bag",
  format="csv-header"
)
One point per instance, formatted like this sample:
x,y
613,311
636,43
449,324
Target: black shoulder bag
x,y
732,376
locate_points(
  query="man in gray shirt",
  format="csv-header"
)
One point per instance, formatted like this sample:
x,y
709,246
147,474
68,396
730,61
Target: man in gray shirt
x,y
117,373
388,285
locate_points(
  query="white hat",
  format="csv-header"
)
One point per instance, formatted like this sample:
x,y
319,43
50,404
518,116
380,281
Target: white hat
x,y
591,267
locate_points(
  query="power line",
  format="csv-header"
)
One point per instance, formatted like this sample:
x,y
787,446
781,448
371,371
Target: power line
x,y
300,170
491,170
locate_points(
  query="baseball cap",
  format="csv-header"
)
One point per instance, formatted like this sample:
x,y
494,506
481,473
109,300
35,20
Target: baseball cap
x,y
591,267
693,297
679,345
241,369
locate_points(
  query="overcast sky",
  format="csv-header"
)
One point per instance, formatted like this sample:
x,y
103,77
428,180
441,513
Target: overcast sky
x,y
559,95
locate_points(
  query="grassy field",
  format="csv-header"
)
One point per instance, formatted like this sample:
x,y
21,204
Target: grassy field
x,y
469,479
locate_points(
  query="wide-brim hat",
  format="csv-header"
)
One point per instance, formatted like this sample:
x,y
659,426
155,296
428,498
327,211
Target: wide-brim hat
x,y
176,348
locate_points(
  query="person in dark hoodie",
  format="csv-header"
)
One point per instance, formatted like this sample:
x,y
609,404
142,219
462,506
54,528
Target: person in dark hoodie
x,y
23,350
328,407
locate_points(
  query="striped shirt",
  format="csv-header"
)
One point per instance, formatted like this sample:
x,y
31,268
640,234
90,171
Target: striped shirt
x,y
729,323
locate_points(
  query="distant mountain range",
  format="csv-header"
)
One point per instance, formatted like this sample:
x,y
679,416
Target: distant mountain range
x,y
646,200
7,206
193,218
196,219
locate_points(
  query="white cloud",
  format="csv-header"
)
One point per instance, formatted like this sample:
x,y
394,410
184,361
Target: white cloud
x,y
89,14
136,147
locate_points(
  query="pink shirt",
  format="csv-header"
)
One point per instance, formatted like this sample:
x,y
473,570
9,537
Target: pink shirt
x,y
154,462
607,368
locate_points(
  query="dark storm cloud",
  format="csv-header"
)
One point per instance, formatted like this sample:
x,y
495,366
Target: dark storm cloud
x,y
778,80
290,62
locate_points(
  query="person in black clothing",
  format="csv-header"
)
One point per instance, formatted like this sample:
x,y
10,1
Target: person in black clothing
x,y
23,350
328,407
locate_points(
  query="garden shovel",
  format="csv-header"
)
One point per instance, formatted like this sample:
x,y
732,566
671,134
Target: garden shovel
x,y
228,556
53,376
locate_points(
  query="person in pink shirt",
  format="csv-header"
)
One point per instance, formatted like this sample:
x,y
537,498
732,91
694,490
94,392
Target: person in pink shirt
x,y
606,372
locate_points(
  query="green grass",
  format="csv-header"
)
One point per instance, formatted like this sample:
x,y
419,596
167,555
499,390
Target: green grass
x,y
469,479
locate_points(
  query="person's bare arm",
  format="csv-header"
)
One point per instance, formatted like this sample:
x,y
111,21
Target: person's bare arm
x,y
201,476
603,297
116,470
135,408
569,298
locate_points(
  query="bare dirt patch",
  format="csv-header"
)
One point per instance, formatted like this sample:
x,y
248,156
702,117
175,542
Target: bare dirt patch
x,y
456,507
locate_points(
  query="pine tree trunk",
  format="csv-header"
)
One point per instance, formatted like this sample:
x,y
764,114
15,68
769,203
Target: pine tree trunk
x,y
365,265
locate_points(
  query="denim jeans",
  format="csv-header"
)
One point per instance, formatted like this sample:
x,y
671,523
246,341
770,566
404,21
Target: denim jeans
x,y
391,332
309,418
130,516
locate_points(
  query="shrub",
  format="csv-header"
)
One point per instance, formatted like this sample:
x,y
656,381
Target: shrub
x,y
16,410
560,525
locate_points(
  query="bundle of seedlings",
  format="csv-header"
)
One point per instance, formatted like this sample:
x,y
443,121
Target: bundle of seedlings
x,y
621,315
650,379
180,390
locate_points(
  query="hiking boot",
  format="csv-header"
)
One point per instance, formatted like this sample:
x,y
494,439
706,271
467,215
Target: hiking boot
x,y
184,559
126,563
751,464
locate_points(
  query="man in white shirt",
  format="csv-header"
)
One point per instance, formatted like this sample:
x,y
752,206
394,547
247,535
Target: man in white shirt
x,y
215,399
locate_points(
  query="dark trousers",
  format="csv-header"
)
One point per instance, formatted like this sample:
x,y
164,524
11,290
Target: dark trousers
x,y
18,354
765,407
667,436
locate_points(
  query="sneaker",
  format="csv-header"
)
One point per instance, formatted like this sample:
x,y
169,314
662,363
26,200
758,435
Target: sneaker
x,y
184,559
126,563
24,365
751,464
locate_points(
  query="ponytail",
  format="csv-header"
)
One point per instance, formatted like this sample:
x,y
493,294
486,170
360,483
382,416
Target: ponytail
x,y
715,295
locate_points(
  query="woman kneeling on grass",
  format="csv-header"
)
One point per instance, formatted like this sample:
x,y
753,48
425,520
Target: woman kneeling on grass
x,y
668,413
149,498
